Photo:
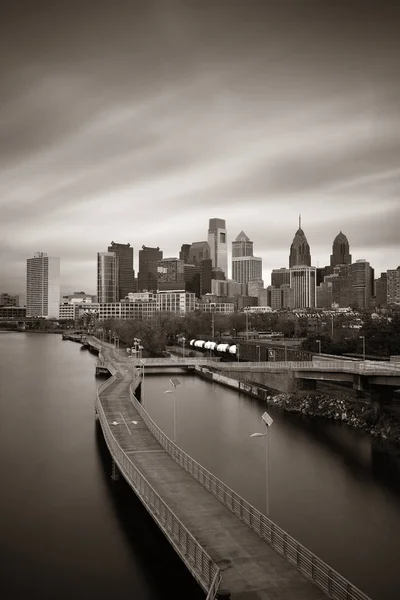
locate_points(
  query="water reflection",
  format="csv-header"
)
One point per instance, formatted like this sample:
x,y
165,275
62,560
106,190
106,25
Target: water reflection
x,y
323,487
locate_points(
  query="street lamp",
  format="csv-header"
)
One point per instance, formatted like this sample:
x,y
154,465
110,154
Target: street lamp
x,y
268,420
363,339
259,351
183,347
174,381
319,345
142,392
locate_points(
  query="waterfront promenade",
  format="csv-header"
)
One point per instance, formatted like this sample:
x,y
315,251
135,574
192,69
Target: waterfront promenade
x,y
215,537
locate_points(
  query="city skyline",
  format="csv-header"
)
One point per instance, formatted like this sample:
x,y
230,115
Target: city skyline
x,y
135,129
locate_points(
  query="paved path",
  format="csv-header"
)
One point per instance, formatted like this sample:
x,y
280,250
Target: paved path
x,y
250,568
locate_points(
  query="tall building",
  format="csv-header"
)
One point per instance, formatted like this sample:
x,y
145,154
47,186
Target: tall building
x,y
303,283
393,286
43,286
281,298
148,261
264,297
170,274
245,266
361,275
340,251
184,253
217,240
381,290
107,277
254,286
126,274
300,250
198,251
242,246
280,277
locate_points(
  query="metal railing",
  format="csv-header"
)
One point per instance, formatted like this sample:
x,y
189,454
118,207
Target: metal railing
x,y
199,563
361,368
173,361
315,569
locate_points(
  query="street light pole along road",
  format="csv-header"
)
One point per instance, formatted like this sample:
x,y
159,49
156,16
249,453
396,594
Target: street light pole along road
x,y
174,381
268,420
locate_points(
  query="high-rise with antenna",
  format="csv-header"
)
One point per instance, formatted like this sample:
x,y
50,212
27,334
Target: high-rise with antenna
x,y
300,250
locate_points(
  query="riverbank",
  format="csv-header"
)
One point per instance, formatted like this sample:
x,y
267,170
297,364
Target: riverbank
x,y
340,407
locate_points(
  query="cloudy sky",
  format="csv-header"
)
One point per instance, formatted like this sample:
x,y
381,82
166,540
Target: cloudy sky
x,y
137,121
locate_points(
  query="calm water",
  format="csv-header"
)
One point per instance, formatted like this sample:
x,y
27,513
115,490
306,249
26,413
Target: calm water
x,y
67,530
327,486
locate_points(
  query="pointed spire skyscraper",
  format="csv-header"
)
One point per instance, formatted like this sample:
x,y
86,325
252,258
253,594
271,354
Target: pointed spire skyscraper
x,y
300,250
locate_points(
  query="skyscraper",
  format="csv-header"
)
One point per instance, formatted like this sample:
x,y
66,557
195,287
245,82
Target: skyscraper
x,y
198,251
361,275
184,253
340,251
148,261
300,250
107,277
245,266
303,284
218,244
393,286
126,274
242,246
280,277
43,286
170,274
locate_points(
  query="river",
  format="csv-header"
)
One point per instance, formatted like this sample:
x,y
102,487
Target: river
x,y
66,529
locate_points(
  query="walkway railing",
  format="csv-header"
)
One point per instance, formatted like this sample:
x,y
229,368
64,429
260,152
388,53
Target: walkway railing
x,y
199,563
315,569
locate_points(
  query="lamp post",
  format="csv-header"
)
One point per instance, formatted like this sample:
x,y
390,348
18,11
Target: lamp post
x,y
259,352
363,339
319,346
268,422
142,393
183,347
332,326
174,381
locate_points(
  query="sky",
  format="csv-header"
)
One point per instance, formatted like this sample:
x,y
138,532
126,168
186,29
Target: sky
x,y
139,121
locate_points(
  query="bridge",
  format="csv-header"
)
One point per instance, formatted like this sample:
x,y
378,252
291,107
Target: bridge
x,y
231,549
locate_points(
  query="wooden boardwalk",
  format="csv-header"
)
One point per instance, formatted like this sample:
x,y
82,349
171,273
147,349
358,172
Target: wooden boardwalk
x,y
251,569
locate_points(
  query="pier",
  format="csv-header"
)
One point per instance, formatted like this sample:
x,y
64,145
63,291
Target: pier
x,y
231,549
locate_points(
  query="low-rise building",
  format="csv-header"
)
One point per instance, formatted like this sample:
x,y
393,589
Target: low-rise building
x,y
8,300
216,307
180,302
12,312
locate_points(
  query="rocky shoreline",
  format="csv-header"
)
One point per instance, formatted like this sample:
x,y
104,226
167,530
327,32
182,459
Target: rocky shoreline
x,y
340,407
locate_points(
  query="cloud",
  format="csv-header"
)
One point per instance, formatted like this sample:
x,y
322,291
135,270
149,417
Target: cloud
x,y
140,121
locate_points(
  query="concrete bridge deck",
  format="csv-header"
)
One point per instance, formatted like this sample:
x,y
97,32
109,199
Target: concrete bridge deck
x,y
251,568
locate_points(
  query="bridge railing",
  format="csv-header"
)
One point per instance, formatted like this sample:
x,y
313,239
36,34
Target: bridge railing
x,y
199,563
361,367
315,569
173,361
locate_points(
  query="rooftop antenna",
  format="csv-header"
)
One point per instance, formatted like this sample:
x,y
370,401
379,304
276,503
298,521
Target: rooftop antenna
x,y
299,221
